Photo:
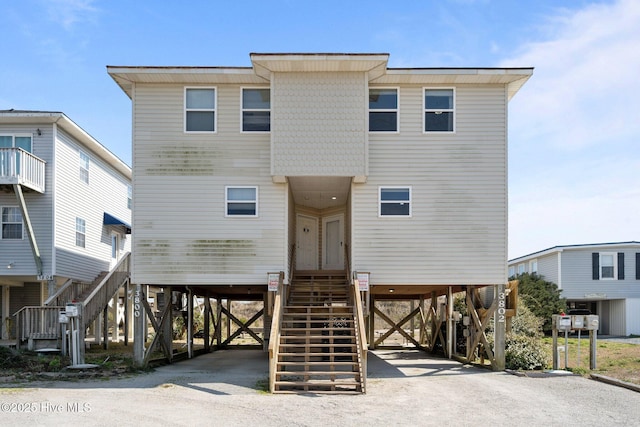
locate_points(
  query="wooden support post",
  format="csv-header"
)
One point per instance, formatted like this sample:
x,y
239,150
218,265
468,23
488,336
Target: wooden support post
x,y
500,322
115,336
105,327
167,329
593,338
219,320
266,321
207,321
421,336
228,320
139,325
372,323
449,325
189,322
127,312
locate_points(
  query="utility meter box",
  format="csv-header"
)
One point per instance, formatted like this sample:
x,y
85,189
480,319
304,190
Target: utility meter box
x,y
577,322
562,323
592,322
71,310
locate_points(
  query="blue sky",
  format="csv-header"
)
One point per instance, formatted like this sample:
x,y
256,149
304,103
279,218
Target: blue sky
x,y
574,129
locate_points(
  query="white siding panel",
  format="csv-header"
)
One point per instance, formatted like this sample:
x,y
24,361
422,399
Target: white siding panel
x,y
548,267
617,317
633,316
106,192
181,235
457,232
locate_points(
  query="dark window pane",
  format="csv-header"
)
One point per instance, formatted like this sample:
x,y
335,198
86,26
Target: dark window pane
x,y
401,194
385,99
259,99
12,231
256,121
200,121
241,209
400,209
383,121
438,122
607,272
436,99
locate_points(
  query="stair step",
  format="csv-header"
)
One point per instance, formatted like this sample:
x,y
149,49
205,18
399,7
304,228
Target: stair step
x,y
283,375
317,354
318,345
326,363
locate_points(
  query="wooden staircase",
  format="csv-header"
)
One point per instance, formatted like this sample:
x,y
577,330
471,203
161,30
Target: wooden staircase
x,y
318,350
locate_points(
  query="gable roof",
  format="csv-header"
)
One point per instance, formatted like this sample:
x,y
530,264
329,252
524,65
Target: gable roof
x,y
556,249
56,117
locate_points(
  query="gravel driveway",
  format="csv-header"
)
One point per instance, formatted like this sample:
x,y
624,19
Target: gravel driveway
x,y
404,388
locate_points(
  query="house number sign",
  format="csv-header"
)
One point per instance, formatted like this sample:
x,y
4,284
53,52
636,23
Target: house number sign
x,y
502,307
136,303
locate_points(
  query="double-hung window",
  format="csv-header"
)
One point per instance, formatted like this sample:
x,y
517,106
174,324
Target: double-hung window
x,y
256,110
395,201
200,110
439,110
533,266
608,265
11,223
81,227
84,168
383,110
241,201
521,268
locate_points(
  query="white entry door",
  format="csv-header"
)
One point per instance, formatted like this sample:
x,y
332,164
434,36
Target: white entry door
x,y
333,247
307,243
115,249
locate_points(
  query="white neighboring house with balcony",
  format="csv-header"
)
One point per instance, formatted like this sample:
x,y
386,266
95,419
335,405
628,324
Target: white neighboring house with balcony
x,y
603,278
65,209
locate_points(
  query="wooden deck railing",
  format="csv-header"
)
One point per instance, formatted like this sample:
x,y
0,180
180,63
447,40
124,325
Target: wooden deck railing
x,y
68,292
38,323
361,335
274,337
18,166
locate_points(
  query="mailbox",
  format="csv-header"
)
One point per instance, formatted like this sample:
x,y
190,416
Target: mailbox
x,y
592,322
62,317
577,322
71,310
562,323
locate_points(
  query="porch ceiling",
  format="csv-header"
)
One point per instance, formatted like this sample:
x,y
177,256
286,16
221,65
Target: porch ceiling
x,y
320,192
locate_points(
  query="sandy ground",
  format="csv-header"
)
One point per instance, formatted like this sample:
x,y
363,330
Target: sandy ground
x,y
405,387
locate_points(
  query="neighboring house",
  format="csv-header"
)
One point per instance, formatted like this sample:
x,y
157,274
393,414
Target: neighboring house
x,y
319,162
603,278
65,208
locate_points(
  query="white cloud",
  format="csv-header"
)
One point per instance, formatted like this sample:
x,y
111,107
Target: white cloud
x,y
69,12
574,131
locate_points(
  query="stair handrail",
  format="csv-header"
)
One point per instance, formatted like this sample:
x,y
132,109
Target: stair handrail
x,y
360,334
63,293
101,294
274,336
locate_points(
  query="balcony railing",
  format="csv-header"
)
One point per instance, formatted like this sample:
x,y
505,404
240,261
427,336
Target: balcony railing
x,y
18,166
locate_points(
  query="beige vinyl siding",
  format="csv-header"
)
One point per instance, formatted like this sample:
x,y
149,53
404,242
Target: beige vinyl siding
x,y
319,124
106,192
39,207
186,238
458,230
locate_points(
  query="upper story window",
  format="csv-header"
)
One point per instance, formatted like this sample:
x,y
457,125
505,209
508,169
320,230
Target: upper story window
x,y
129,196
11,223
439,110
256,110
395,201
512,271
520,268
81,226
200,110
84,168
533,266
16,141
608,265
241,201
383,110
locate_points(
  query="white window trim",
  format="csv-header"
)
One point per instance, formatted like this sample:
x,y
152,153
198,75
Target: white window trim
x,y
215,110
2,223
82,167
385,110
226,201
424,110
531,266
615,265
403,187
242,110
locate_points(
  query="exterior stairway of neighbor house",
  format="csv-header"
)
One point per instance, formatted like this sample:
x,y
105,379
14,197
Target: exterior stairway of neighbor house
x,y
318,348
41,323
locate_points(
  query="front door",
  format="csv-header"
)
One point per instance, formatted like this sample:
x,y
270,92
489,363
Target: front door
x,y
333,247
115,249
307,243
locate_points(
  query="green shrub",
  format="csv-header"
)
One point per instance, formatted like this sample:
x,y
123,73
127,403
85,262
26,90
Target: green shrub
x,y
524,352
